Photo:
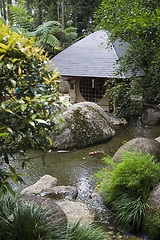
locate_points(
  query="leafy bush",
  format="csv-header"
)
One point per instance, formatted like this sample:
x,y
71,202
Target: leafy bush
x,y
126,186
29,99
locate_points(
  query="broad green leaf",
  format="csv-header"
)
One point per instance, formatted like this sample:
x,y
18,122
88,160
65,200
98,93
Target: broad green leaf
x,y
3,46
23,107
31,123
1,190
13,82
1,63
10,130
40,121
10,66
50,140
12,169
8,110
3,105
34,116
10,188
14,178
4,135
19,70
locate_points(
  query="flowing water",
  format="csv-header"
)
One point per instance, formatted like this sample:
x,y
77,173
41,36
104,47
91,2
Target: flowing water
x,y
76,167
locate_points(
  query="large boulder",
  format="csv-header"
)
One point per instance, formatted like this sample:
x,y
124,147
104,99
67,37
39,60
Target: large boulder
x,y
144,145
45,182
151,117
152,217
56,213
84,124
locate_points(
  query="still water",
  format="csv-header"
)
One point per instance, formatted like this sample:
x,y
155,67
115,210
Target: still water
x,y
77,166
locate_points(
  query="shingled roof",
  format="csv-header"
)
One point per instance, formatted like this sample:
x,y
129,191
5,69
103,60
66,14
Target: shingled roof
x,y
92,56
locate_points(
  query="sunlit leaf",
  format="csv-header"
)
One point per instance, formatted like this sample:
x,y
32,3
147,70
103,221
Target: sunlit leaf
x,y
3,105
19,70
4,135
31,123
12,169
23,107
40,121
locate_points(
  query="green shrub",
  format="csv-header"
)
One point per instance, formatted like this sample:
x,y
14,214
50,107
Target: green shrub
x,y
129,210
21,220
29,101
125,186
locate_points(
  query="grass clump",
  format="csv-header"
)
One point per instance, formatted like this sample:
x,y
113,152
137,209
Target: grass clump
x,y
126,186
22,220
80,232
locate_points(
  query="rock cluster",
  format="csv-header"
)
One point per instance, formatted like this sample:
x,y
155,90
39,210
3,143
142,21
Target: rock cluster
x,y
61,199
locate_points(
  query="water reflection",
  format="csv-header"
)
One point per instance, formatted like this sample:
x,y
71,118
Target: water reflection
x,y
76,166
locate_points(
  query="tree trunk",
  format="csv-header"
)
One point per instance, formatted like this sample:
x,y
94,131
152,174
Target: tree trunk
x,y
58,12
3,10
9,2
28,6
62,7
40,13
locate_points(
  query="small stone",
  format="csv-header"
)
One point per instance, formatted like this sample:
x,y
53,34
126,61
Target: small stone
x,y
76,211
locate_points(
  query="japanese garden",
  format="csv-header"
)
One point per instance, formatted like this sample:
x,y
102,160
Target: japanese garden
x,y
79,120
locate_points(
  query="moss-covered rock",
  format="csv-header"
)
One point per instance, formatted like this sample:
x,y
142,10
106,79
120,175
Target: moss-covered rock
x,y
151,225
144,145
151,117
84,124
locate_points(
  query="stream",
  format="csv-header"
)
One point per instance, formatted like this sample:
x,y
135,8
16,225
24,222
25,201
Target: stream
x,y
76,167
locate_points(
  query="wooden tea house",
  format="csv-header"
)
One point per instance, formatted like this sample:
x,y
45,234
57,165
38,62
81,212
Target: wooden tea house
x,y
87,64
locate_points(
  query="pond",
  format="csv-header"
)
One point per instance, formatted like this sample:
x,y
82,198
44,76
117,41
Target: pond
x,y
76,167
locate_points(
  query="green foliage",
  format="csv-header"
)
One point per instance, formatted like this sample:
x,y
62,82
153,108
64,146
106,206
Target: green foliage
x,y
77,231
29,100
21,20
125,96
52,37
152,224
128,184
130,210
21,220
136,22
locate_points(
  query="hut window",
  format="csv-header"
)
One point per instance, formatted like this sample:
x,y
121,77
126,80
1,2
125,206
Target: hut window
x,y
92,89
71,85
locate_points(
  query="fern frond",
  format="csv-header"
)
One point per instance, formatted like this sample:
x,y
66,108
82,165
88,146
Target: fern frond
x,y
20,17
